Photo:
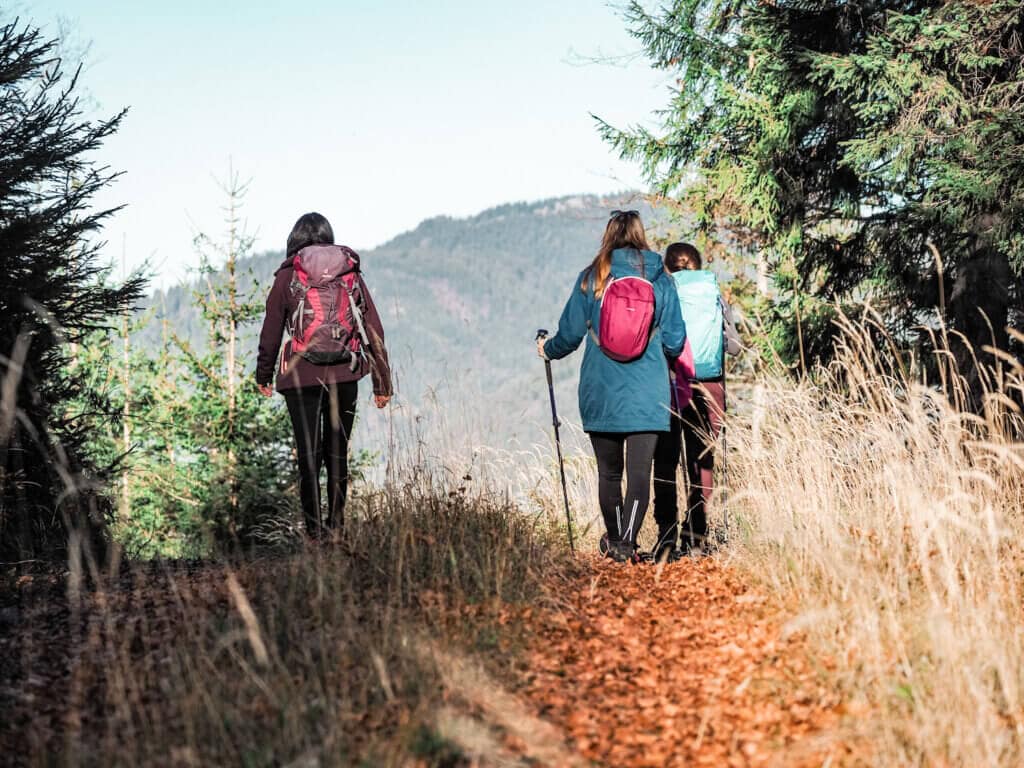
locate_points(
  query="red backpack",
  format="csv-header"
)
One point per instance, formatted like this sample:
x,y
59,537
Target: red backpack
x,y
627,318
326,323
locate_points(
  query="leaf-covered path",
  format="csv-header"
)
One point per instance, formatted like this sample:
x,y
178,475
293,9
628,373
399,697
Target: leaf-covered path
x,y
616,666
678,665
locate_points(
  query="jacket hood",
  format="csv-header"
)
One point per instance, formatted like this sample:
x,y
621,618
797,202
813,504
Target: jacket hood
x,y
627,261
289,261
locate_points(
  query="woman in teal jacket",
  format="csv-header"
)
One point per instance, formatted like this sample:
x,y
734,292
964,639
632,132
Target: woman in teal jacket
x,y
623,405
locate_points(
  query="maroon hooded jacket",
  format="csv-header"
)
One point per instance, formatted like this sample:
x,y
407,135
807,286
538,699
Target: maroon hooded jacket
x,y
294,371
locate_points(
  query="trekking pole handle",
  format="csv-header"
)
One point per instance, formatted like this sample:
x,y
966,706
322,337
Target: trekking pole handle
x,y
542,333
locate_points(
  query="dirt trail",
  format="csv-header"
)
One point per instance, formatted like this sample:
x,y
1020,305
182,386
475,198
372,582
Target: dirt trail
x,y
678,665
623,666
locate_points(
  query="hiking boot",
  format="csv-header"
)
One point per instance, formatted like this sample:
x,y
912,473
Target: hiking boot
x,y
679,553
637,556
643,558
662,552
620,552
698,547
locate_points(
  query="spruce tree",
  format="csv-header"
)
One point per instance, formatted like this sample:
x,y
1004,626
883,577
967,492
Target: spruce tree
x,y
52,295
239,471
872,152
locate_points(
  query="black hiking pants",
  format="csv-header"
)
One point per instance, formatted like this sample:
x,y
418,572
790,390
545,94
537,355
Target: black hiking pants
x,y
690,441
322,418
633,453
667,458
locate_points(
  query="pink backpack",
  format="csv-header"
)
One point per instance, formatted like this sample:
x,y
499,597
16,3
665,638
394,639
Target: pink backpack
x,y
326,323
627,318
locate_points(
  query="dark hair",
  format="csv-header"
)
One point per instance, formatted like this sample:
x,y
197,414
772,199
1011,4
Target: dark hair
x,y
682,256
310,229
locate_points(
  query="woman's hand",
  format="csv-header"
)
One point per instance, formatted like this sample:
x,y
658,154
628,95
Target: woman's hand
x,y
382,401
540,348
266,390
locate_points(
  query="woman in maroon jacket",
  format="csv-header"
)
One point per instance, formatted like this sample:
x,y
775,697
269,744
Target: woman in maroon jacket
x,y
321,399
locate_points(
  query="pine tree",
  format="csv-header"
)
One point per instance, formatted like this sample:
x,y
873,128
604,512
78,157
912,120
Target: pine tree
x,y
873,152
239,465
52,295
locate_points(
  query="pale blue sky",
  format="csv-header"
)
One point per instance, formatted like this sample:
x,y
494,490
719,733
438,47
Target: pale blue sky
x,y
377,114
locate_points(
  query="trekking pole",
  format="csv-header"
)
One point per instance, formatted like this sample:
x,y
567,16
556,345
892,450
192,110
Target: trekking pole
x,y
543,334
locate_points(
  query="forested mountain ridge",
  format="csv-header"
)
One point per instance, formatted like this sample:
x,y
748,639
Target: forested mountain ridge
x,y
461,299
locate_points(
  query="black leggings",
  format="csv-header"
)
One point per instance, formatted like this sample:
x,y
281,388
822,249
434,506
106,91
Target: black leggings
x,y
667,458
322,418
692,439
623,518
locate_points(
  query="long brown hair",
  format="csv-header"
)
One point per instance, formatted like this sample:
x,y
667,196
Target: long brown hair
x,y
624,230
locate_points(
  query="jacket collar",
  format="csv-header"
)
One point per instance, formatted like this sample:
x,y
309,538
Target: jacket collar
x,y
628,261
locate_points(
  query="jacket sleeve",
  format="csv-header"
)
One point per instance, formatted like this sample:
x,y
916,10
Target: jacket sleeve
x,y
380,366
733,345
572,326
273,330
670,320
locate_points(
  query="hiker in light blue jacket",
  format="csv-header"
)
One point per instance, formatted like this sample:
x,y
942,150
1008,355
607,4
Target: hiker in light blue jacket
x,y
623,404
699,376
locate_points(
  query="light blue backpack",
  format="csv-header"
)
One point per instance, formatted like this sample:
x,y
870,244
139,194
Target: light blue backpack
x,y
701,303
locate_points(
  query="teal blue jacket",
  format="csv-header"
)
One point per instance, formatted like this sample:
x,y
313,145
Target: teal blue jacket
x,y
614,396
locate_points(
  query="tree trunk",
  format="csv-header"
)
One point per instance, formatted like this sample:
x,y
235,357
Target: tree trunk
x,y
126,429
979,308
232,322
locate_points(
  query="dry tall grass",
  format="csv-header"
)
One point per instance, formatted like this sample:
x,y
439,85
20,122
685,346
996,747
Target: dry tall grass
x,y
886,517
317,657
891,520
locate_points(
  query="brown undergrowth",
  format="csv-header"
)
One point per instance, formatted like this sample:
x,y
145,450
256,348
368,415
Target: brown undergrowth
x,y
888,514
458,634
329,655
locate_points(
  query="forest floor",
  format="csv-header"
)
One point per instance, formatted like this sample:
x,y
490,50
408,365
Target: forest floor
x,y
680,664
618,665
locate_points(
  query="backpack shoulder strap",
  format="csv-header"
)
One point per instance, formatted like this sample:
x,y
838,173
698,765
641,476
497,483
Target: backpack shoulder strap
x,y
593,334
357,313
590,325
353,258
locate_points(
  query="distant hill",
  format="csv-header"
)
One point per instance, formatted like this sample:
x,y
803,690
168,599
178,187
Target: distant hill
x,y
461,300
